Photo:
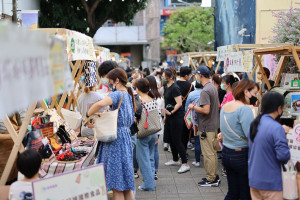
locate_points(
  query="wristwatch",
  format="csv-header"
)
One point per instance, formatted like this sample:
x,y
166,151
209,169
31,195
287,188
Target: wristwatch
x,y
87,115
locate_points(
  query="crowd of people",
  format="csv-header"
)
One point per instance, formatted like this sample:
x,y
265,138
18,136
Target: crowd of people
x,y
223,119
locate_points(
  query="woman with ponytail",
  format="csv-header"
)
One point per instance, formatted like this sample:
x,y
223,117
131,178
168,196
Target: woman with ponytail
x,y
268,148
145,147
90,96
235,119
117,155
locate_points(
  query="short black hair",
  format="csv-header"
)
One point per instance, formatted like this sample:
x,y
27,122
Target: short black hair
x,y
146,72
29,163
198,85
106,67
185,71
267,72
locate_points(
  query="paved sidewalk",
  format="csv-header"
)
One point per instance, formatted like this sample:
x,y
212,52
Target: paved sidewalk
x,y
173,186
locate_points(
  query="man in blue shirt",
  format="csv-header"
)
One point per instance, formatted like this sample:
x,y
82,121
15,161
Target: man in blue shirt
x,y
194,97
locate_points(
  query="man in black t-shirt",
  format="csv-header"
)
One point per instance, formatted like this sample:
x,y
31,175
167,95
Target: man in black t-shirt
x,y
185,88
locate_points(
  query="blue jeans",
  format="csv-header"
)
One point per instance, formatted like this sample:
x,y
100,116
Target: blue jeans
x,y
156,157
197,148
145,148
236,165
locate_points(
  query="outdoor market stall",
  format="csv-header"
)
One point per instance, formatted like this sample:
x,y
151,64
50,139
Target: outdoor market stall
x,y
290,88
43,75
79,48
51,76
195,59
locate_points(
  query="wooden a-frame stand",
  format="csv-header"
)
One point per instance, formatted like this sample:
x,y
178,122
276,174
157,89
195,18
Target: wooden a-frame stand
x,y
17,139
284,52
197,58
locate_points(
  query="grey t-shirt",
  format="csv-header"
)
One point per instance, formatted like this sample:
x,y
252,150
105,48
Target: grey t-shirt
x,y
209,96
85,101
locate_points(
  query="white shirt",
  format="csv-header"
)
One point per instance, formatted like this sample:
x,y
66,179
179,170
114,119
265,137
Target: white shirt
x,y
21,190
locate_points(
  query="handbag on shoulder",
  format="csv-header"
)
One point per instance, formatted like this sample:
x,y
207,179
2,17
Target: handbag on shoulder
x,y
106,125
149,123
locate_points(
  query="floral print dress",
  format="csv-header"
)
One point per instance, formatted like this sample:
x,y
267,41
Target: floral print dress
x,y
117,155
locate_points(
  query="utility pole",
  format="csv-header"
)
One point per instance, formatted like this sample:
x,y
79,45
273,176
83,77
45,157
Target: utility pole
x,y
14,10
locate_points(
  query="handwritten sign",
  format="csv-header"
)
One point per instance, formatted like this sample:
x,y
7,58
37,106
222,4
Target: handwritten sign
x,y
293,139
248,60
234,62
60,69
185,61
79,46
87,183
221,53
25,74
104,55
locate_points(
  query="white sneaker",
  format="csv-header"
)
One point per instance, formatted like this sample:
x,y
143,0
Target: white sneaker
x,y
172,163
184,168
166,146
193,149
196,164
169,150
190,145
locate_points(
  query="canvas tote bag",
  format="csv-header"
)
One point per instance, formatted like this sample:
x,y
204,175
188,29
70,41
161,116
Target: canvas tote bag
x,y
105,127
149,123
289,182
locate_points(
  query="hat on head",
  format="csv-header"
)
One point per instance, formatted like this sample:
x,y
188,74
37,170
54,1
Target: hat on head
x,y
90,76
203,70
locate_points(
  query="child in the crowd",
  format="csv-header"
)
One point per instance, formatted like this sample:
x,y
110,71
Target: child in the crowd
x,y
28,163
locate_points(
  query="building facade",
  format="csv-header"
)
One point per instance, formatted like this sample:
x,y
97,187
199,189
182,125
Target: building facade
x,y
141,40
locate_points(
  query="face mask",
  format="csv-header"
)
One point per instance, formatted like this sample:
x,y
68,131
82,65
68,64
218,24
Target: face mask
x,y
278,117
164,81
222,86
111,86
253,100
104,81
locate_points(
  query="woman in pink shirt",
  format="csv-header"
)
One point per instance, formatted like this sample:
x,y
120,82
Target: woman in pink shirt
x,y
226,85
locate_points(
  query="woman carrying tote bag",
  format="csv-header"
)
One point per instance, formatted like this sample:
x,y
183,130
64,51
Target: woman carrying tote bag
x,y
117,155
149,125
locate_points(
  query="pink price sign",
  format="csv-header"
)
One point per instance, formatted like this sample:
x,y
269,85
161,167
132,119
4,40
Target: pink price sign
x,y
297,133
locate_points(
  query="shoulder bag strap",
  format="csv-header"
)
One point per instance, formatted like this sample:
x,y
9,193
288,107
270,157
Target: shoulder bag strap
x,y
147,114
241,138
120,101
184,98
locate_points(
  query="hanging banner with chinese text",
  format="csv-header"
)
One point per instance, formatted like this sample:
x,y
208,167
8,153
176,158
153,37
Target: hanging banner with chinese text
x,y
248,60
59,65
221,53
79,46
234,62
25,75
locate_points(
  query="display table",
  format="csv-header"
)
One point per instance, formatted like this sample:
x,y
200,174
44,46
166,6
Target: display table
x,y
53,167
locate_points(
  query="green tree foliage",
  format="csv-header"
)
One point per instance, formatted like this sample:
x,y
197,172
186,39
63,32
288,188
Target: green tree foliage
x,y
189,29
80,14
